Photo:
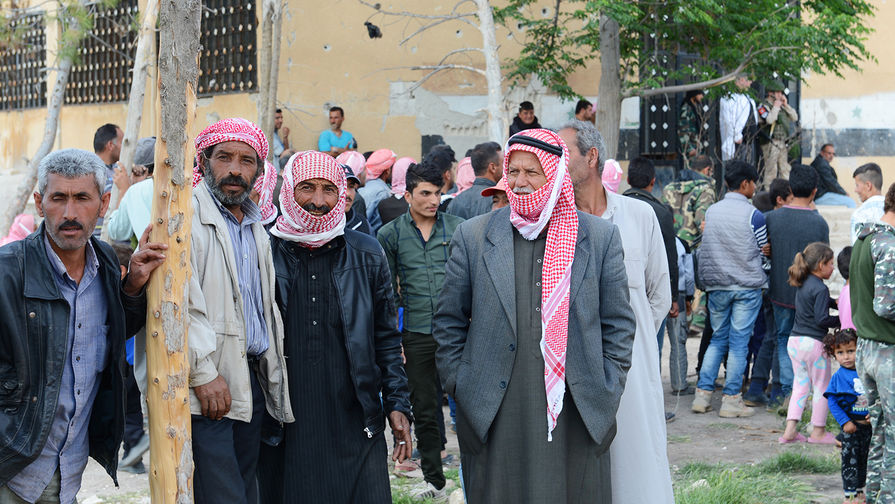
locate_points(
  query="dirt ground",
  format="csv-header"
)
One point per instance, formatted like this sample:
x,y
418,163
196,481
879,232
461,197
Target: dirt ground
x,y
691,437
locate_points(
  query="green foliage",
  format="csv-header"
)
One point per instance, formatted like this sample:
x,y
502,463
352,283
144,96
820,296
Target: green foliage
x,y
759,37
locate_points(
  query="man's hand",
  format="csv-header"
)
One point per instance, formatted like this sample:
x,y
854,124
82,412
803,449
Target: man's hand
x,y
149,257
675,310
689,308
849,427
122,181
401,430
214,397
284,132
766,250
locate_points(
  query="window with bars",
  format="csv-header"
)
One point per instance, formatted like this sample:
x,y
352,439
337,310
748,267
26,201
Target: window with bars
x,y
227,62
23,79
103,70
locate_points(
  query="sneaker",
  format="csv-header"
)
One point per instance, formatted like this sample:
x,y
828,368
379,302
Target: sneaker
x,y
669,417
428,491
136,452
755,395
702,402
689,390
732,407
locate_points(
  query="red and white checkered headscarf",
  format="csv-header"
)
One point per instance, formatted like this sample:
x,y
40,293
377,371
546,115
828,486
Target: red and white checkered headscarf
x,y
229,130
552,203
265,186
297,224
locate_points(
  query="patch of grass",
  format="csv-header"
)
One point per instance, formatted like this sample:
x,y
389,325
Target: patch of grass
x,y
791,462
678,439
453,474
701,483
805,422
128,498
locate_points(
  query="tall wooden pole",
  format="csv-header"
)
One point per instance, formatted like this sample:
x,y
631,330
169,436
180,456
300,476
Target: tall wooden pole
x,y
168,372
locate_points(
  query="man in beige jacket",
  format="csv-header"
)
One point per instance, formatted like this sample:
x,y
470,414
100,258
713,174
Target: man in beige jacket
x,y
237,368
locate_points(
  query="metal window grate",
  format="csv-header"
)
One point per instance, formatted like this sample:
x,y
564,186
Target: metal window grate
x,y
103,71
23,80
227,62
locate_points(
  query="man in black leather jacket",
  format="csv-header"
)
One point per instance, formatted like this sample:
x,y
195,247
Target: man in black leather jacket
x,y
342,346
41,371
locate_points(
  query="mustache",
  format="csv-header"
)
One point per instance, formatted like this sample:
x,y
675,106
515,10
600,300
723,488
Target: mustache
x,y
312,208
70,224
235,180
523,190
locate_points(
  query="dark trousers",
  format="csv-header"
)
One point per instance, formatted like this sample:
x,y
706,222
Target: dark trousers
x,y
422,376
133,413
705,340
855,447
225,453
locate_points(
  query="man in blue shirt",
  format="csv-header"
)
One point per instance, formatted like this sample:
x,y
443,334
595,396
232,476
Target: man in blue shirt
x,y
68,350
334,141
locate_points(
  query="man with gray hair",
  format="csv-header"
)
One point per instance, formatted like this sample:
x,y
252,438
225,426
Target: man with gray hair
x,y
61,374
638,451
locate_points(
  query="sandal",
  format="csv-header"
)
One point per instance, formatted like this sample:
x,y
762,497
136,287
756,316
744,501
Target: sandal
x,y
828,439
798,439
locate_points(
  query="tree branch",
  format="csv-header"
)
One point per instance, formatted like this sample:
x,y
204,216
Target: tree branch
x,y
724,79
452,15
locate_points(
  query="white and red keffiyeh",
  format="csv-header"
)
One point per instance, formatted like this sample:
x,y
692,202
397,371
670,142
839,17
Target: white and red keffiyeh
x,y
552,203
229,130
296,224
265,186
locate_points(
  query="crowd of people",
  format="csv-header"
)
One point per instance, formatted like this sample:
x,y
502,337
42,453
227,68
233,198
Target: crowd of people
x,y
332,292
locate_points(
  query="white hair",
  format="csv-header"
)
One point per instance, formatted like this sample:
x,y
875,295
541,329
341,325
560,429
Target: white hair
x,y
71,163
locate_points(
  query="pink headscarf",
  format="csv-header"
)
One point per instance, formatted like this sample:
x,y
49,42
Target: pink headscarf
x,y
465,175
552,203
355,160
229,130
379,161
265,186
22,226
399,176
297,224
612,175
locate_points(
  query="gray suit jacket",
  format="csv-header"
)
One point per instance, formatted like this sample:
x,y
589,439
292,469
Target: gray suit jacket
x,y
475,322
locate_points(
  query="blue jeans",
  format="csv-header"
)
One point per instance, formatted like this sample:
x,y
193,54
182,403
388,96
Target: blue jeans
x,y
733,315
784,318
832,198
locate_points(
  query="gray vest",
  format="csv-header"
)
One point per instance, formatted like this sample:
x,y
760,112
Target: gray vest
x,y
729,257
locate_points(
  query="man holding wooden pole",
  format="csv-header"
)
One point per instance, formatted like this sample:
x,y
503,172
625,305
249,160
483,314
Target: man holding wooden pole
x,y
237,368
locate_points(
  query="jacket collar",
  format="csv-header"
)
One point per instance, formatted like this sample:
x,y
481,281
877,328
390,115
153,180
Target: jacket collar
x,y
501,264
641,193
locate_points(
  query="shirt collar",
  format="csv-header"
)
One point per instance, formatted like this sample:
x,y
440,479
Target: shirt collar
x,y
735,195
91,265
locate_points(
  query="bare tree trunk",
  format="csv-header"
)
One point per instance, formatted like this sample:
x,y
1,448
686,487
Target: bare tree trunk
x,y
26,186
497,124
272,87
145,43
267,70
167,322
609,102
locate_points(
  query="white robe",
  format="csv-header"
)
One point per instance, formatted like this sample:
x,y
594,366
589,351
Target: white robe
x,y
639,454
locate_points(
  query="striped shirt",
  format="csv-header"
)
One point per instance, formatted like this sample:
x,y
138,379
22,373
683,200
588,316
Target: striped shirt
x,y
245,253
67,445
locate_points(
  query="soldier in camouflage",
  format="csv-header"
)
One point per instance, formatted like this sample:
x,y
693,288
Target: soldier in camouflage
x,y
872,288
690,126
689,197
776,132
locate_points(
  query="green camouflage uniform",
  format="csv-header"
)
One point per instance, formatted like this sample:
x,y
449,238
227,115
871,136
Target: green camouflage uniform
x,y
689,199
689,133
778,128
876,364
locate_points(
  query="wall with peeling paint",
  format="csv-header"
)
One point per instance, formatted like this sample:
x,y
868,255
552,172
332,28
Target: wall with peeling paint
x,y
328,59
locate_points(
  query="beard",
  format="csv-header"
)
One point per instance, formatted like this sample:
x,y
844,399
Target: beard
x,y
226,198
